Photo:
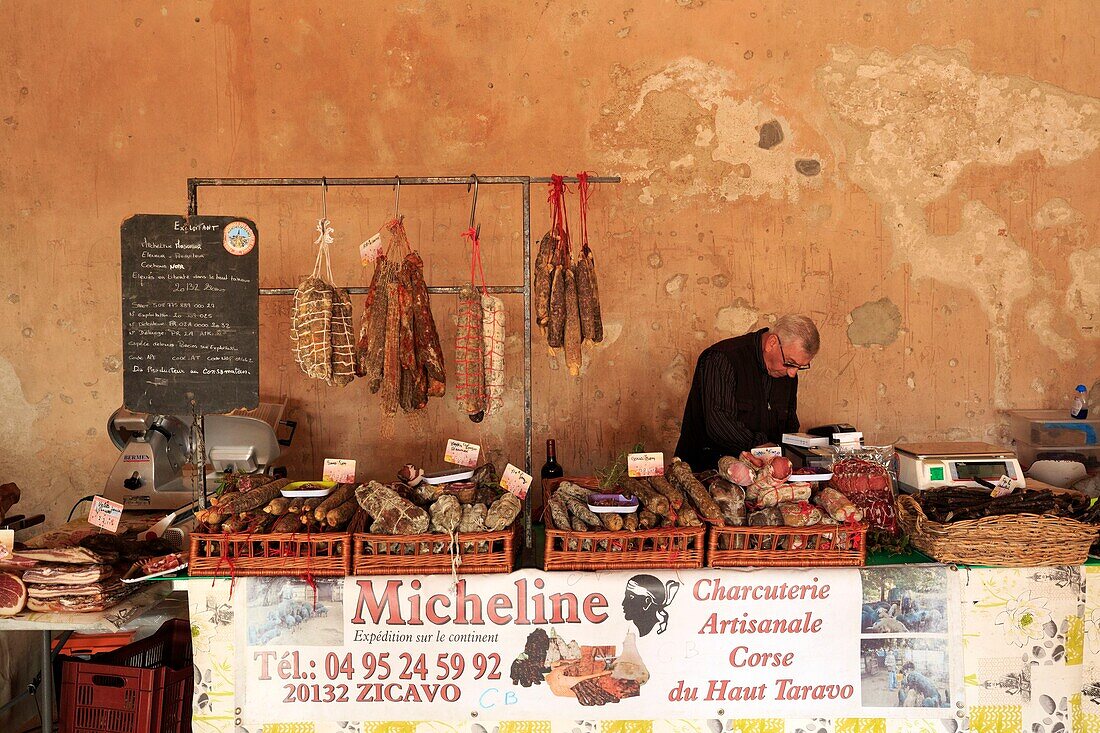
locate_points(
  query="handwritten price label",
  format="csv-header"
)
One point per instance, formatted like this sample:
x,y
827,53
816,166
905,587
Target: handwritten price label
x,y
515,481
340,470
461,453
764,452
645,464
1005,486
371,250
105,514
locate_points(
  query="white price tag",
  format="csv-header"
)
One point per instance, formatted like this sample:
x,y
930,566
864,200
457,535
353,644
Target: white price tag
x,y
340,470
515,481
461,453
105,514
371,250
1004,487
645,464
765,451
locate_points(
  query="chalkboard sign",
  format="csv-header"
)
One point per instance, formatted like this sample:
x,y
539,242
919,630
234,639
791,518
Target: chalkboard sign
x,y
190,314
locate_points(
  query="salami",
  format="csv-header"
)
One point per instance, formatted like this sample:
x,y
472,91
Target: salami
x,y
572,323
372,336
429,353
470,354
391,351
555,328
588,291
680,475
540,291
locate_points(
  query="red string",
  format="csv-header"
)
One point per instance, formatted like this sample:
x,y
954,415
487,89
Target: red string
x,y
559,216
583,193
476,268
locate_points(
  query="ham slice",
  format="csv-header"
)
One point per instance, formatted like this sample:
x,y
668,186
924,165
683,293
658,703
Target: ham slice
x,y
70,556
67,574
13,594
77,598
10,561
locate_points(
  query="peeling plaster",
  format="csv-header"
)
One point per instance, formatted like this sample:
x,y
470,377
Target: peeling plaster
x,y
1040,319
876,322
692,129
1055,213
911,124
736,319
1083,293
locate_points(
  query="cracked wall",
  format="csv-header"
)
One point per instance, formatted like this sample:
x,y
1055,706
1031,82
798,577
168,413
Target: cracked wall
x,y
919,177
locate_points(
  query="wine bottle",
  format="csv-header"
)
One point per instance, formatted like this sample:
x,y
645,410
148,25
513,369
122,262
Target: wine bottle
x,y
550,470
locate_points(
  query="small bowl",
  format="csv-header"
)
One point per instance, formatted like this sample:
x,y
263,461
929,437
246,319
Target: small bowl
x,y
612,504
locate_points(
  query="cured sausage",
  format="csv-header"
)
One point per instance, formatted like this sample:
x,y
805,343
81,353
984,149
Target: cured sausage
x,y
470,354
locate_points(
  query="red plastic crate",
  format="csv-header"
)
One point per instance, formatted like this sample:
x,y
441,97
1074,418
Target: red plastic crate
x,y
144,687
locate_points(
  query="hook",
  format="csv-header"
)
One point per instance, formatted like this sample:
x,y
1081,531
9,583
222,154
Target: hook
x,y
397,198
324,198
473,204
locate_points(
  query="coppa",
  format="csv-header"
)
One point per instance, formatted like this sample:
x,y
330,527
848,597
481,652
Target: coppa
x,y
528,608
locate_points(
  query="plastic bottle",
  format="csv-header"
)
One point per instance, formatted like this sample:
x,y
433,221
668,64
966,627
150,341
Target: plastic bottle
x,y
1080,409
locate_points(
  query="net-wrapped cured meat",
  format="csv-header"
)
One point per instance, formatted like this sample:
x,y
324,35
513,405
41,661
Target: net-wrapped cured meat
x,y
391,513
311,320
470,354
492,323
503,512
342,339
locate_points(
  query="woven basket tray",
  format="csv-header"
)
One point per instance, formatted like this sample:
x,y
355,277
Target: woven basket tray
x,y
430,554
297,553
787,547
1011,540
668,547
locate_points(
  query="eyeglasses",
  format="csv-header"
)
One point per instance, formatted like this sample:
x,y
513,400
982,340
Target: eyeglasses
x,y
787,363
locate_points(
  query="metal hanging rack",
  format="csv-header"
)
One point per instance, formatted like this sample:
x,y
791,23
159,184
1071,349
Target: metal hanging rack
x,y
525,182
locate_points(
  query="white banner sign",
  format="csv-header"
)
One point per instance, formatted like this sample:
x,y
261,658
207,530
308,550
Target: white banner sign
x,y
638,645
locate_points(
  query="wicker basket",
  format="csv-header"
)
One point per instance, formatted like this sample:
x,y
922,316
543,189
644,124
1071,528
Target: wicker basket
x,y
430,554
667,547
1010,540
843,545
297,553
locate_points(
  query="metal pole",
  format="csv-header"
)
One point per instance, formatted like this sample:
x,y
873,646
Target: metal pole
x,y
194,183
437,290
45,700
527,353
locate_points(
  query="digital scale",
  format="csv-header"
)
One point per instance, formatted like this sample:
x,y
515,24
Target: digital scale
x,y
924,466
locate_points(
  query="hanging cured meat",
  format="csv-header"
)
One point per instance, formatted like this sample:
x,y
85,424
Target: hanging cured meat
x,y
492,323
540,291
470,354
311,319
588,291
342,339
398,350
572,324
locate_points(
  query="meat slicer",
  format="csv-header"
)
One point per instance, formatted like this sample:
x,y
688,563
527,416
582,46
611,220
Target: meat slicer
x,y
148,474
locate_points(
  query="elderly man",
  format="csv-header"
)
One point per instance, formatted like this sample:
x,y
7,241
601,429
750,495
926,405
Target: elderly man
x,y
744,393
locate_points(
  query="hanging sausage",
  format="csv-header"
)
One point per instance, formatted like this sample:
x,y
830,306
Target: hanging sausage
x,y
588,291
398,350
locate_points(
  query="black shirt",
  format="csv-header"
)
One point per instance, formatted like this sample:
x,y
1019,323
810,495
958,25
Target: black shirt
x,y
734,404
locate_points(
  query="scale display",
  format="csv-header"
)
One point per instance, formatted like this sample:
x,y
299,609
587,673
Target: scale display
x,y
989,470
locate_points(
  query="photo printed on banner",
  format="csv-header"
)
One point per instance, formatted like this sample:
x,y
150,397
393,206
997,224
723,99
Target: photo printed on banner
x,y
290,611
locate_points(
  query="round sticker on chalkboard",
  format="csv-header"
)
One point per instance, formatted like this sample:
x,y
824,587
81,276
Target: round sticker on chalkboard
x,y
238,239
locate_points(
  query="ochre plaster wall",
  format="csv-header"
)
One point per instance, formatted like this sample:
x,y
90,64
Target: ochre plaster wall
x,y
932,202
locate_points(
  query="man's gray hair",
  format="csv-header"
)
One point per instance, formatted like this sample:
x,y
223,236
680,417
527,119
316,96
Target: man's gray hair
x,y
798,329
